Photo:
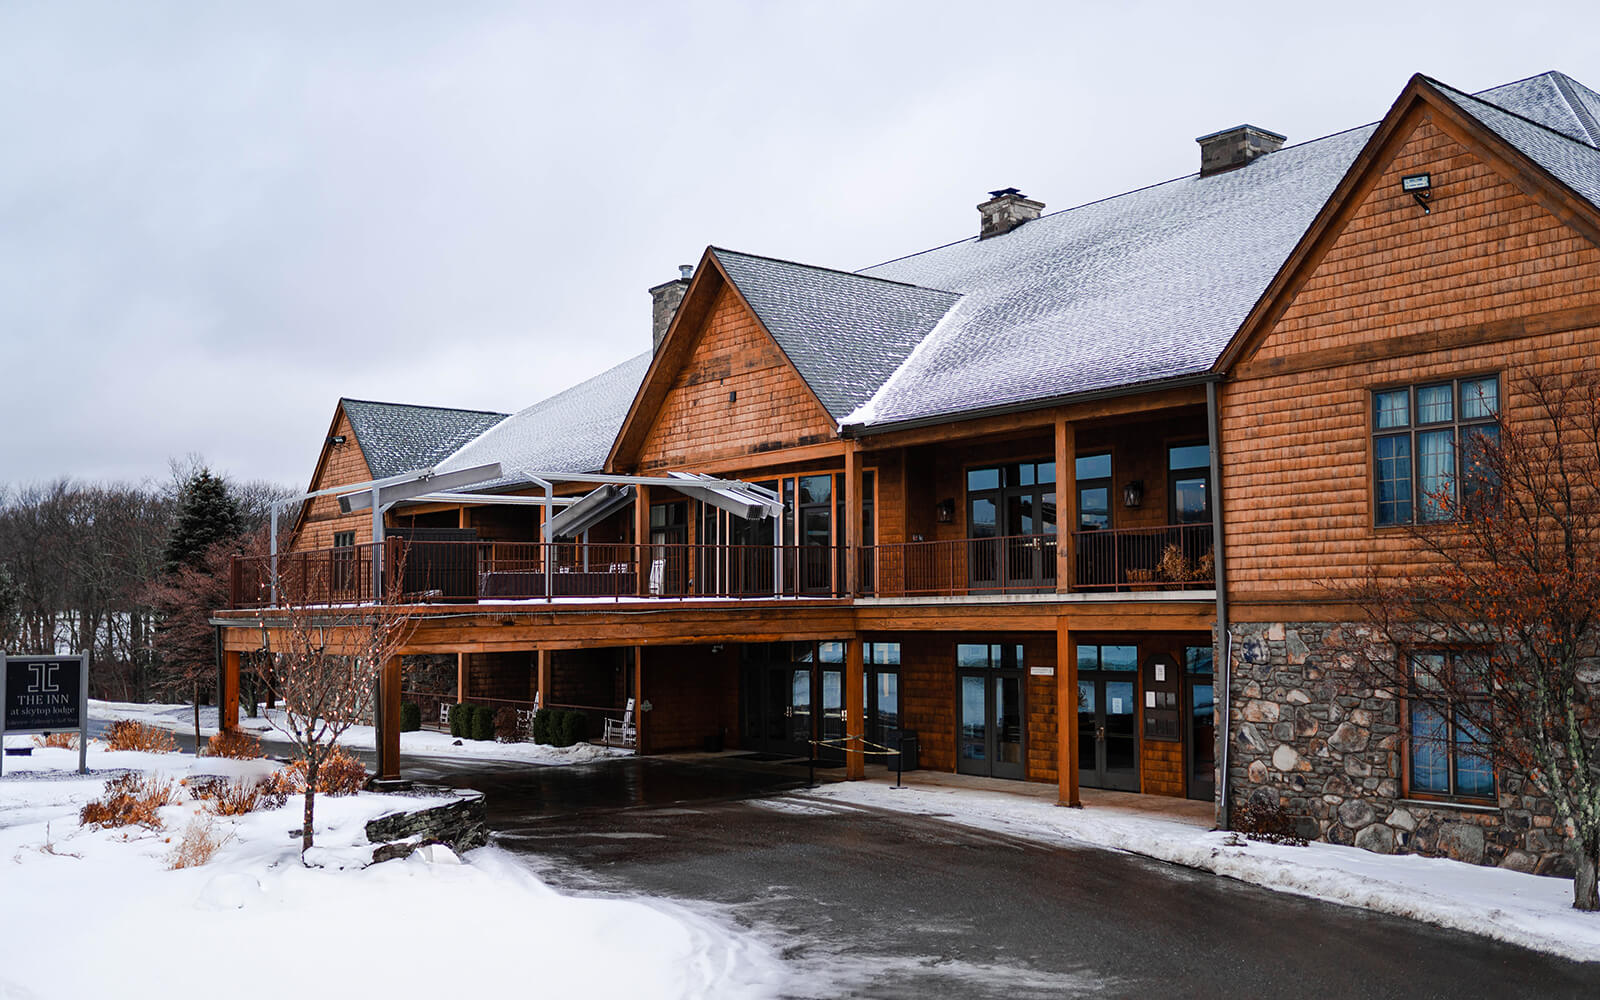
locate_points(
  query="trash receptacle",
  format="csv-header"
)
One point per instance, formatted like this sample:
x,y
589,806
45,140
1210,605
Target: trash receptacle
x,y
907,745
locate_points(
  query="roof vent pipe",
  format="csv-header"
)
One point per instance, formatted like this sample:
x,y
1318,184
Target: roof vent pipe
x,y
1005,210
664,301
1234,147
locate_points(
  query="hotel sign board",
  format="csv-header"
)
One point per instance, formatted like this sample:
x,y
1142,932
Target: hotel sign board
x,y
46,694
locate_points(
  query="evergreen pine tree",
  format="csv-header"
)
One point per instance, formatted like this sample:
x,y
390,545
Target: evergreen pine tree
x,y
207,514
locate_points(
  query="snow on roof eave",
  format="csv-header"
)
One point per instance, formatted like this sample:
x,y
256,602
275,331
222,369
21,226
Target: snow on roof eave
x,y
866,413
1197,377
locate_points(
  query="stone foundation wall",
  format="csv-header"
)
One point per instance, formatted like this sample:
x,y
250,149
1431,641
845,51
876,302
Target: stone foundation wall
x,y
1310,733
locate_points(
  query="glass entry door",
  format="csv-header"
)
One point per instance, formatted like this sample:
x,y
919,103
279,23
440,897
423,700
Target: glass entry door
x,y
1011,527
990,718
1108,740
1201,723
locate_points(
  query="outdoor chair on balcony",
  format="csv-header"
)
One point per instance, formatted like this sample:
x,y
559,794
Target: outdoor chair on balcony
x,y
622,732
658,577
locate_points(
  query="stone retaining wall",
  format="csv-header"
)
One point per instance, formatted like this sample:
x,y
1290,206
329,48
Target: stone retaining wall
x,y
460,820
1312,734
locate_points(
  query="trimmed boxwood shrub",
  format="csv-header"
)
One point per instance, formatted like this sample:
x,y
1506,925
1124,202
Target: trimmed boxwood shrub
x,y
458,720
482,722
410,717
574,727
541,725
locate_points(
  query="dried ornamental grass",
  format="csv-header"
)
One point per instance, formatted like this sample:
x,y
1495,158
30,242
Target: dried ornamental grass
x,y
200,843
57,741
235,744
130,800
236,797
130,735
338,774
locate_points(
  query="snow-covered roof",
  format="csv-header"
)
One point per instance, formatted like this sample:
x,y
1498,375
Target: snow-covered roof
x,y
571,431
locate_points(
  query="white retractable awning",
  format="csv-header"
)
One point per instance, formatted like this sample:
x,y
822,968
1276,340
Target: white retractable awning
x,y
742,500
590,510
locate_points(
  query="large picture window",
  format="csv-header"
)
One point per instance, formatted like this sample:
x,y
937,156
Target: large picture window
x,y
1445,730
1419,433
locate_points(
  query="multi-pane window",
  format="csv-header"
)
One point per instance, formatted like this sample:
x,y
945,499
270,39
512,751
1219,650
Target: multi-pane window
x,y
1420,435
1093,475
1446,721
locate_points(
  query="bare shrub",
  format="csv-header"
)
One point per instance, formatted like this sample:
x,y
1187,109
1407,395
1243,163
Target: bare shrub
x,y
132,799
1267,821
338,774
127,734
236,796
57,741
200,843
235,744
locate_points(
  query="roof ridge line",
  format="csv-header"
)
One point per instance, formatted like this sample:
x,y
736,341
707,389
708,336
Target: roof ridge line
x,y
1580,110
1507,111
423,406
1121,194
834,270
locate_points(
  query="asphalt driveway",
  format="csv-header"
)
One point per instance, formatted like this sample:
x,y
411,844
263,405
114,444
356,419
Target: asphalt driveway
x,y
864,902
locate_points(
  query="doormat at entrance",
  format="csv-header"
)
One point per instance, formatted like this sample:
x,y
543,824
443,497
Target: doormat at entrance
x,y
760,756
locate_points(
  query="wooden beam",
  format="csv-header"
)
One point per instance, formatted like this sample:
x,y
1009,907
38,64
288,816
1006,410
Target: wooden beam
x,y
640,716
851,538
1066,505
545,657
855,711
388,720
228,697
1066,716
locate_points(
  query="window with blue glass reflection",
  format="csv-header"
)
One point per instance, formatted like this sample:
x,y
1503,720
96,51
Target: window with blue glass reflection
x,y
1446,742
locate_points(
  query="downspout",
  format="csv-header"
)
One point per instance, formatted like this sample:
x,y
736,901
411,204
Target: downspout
x,y
1224,640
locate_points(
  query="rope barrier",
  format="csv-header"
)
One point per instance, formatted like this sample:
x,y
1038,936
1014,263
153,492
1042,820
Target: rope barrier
x,y
835,741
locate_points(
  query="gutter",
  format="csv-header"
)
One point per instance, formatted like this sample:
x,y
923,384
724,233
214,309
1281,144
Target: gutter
x,y
1224,638
1004,409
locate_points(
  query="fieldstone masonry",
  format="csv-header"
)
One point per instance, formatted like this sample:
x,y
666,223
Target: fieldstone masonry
x,y
1312,734
459,820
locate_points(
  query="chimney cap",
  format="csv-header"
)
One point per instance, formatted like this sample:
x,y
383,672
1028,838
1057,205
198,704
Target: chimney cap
x,y
685,271
1005,191
1242,129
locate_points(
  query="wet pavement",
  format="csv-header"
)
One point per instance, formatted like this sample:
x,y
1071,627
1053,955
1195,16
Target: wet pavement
x,y
863,902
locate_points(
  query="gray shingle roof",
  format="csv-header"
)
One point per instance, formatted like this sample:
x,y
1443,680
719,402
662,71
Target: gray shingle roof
x,y
845,333
571,431
1574,162
1554,100
399,437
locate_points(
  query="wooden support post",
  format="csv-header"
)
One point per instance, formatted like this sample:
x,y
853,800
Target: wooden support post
x,y
1066,713
228,696
855,711
641,537
545,657
1066,507
389,720
641,718
852,518
463,676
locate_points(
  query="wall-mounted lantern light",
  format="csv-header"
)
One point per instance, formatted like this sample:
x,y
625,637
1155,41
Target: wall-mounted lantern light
x,y
1133,493
945,511
1420,187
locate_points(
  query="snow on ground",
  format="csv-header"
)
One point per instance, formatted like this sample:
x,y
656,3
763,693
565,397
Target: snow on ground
x,y
1527,910
97,913
180,719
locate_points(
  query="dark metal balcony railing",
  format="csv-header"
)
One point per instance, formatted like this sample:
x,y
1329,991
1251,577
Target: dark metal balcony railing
x,y
1169,557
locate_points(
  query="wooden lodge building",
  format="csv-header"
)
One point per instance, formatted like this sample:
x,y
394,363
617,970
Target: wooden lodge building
x,y
1055,497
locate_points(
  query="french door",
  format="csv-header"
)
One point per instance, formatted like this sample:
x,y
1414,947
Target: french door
x,y
1011,521
1108,738
990,717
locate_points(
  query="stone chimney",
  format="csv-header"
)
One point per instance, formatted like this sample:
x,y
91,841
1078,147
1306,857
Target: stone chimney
x,y
664,299
1234,147
1005,210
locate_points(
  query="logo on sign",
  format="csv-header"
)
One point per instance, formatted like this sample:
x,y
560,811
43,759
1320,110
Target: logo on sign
x,y
44,678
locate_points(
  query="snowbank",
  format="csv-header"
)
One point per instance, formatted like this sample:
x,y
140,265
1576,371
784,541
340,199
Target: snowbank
x,y
1526,910
180,719
97,913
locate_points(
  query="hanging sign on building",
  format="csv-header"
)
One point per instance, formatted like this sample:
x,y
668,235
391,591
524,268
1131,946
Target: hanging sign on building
x,y
46,694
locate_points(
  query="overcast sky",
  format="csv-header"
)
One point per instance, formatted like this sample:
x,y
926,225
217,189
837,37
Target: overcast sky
x,y
216,219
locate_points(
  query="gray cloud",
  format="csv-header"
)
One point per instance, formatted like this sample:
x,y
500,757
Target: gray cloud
x,y
216,219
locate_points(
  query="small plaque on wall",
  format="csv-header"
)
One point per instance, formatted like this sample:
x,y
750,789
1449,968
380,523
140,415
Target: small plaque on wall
x,y
1042,671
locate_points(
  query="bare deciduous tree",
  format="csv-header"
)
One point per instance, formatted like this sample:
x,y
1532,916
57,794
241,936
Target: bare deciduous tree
x,y
1497,644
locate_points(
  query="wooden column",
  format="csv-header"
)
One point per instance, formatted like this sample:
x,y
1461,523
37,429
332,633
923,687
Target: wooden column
x,y
544,678
389,720
851,537
228,695
1066,507
855,709
641,718
463,677
641,537
1066,712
